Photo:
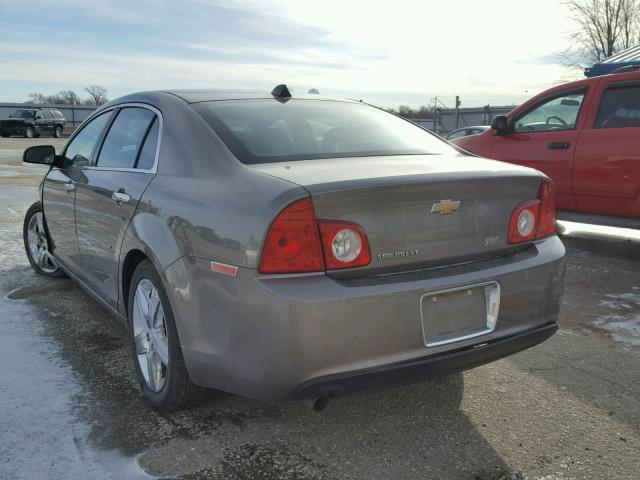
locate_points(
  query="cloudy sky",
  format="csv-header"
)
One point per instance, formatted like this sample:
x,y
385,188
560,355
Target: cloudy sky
x,y
387,53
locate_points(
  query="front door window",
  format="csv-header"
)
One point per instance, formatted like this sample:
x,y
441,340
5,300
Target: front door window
x,y
558,113
79,151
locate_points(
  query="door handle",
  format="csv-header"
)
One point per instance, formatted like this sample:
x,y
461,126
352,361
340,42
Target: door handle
x,y
559,145
69,187
121,197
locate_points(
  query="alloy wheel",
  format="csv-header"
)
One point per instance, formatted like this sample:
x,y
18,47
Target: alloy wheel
x,y
39,246
150,335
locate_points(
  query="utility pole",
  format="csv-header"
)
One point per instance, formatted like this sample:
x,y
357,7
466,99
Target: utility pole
x,y
435,115
457,112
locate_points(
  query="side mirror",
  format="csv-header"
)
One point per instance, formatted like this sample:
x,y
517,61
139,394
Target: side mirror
x,y
41,154
500,123
38,117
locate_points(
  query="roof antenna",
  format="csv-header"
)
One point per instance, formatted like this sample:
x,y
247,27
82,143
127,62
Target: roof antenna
x,y
281,91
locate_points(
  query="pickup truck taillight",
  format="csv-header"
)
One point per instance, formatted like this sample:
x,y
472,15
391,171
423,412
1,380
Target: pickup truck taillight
x,y
299,243
536,218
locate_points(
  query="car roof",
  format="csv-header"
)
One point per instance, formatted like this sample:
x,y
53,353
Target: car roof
x,y
211,95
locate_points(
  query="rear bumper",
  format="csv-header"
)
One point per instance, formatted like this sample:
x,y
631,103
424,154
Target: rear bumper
x,y
275,337
417,370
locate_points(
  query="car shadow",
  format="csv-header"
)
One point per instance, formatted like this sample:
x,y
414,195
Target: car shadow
x,y
398,433
584,360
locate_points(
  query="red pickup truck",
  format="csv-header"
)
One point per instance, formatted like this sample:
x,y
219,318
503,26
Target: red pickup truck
x,y
585,135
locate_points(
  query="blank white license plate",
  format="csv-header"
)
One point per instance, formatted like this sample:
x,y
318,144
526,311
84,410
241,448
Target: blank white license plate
x,y
458,314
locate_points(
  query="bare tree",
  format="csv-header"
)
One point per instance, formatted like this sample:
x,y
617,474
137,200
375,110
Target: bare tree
x,y
98,94
405,111
425,112
68,97
604,27
37,98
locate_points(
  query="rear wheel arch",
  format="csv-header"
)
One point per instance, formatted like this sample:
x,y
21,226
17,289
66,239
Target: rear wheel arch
x,y
176,390
131,261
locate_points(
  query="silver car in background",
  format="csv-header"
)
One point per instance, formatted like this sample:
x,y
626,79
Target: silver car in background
x,y
301,247
467,131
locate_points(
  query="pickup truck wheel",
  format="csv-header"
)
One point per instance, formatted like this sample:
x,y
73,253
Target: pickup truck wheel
x,y
155,344
5,135
36,243
57,132
29,132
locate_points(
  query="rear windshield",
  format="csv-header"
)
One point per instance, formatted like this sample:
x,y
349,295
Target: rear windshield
x,y
262,131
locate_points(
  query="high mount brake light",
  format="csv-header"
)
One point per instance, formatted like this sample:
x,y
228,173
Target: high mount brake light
x,y
296,241
536,218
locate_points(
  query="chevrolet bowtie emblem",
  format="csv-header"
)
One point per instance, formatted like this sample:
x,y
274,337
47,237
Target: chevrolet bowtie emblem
x,y
444,207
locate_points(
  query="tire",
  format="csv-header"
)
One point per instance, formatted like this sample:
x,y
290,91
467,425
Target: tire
x,y
57,132
30,132
37,244
153,335
5,135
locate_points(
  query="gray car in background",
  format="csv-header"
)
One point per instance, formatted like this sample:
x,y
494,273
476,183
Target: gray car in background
x,y
294,247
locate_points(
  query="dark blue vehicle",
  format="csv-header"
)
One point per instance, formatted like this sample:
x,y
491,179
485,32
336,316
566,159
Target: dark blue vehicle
x,y
33,122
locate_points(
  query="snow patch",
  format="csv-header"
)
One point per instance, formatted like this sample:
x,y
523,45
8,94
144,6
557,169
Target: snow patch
x,y
623,328
630,297
624,325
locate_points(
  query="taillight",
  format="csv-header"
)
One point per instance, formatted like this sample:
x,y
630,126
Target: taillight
x,y
536,218
344,244
547,224
524,222
293,242
296,241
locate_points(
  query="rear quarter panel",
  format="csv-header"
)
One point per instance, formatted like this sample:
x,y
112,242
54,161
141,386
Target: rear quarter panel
x,y
202,202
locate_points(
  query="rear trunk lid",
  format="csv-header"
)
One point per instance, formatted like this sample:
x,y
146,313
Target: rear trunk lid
x,y
417,210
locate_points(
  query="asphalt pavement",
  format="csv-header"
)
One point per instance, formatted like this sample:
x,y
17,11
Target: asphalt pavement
x,y
70,406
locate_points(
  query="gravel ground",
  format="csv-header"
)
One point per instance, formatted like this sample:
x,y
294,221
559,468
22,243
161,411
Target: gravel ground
x,y
566,409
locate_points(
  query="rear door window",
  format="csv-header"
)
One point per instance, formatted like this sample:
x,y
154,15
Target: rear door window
x,y
124,139
147,157
619,107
